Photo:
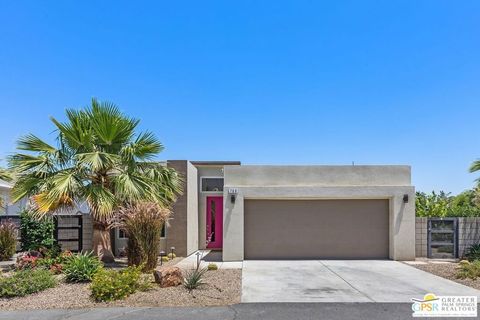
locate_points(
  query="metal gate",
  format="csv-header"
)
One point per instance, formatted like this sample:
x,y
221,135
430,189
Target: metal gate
x,y
69,232
442,240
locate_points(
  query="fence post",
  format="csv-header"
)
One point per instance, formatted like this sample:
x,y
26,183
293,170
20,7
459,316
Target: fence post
x,y
80,233
55,230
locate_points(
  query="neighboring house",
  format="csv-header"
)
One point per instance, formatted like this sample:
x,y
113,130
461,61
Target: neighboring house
x,y
293,212
9,208
74,227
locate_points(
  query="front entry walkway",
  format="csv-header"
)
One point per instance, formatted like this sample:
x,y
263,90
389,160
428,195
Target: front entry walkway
x,y
341,281
206,257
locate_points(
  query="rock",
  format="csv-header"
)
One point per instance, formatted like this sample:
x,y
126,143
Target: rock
x,y
168,277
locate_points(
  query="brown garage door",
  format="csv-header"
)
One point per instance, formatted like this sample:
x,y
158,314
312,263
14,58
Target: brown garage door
x,y
316,229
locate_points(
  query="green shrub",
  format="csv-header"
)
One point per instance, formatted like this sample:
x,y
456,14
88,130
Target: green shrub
x,y
53,252
443,204
468,270
53,264
36,233
171,255
473,252
212,266
165,259
26,282
8,240
108,285
81,267
194,278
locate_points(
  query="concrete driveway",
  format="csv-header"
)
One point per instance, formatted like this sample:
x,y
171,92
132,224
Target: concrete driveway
x,y
341,281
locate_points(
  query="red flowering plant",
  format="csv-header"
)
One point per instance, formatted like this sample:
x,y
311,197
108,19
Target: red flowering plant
x,y
26,261
56,268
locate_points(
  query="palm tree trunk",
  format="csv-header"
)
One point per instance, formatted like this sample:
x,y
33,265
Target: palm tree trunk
x,y
102,245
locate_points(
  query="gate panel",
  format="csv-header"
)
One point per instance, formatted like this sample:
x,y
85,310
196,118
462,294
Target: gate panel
x,y
442,240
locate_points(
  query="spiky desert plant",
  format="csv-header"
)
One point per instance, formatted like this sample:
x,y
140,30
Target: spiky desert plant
x,y
143,223
8,240
100,159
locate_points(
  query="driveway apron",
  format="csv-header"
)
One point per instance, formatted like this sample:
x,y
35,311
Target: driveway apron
x,y
341,281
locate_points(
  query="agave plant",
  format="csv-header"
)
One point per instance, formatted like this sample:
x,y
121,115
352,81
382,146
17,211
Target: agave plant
x,y
99,158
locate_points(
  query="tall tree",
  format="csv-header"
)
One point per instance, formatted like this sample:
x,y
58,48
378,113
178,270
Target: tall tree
x,y
100,159
5,175
475,167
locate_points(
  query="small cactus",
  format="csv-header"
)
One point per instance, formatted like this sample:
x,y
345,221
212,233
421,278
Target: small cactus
x,y
212,266
464,262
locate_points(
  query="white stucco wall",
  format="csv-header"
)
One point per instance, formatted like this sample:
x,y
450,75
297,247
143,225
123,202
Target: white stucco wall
x,y
10,208
192,209
321,182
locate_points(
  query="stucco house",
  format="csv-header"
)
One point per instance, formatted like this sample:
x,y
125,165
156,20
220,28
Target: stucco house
x,y
294,212
289,212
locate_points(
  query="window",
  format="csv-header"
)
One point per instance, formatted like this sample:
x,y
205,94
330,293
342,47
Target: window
x,y
212,184
122,234
163,232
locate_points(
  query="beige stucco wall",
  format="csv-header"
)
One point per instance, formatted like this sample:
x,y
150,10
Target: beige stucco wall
x,y
321,182
205,171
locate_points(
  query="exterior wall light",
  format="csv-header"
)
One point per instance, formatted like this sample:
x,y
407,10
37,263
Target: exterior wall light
x,y
232,192
405,198
162,254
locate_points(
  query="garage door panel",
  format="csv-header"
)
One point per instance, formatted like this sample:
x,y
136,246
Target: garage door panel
x,y
316,229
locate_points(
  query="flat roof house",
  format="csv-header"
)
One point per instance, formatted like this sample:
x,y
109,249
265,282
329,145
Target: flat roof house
x,y
286,212
294,212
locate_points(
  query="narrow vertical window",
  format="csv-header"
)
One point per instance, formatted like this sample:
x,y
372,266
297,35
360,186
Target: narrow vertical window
x,y
212,220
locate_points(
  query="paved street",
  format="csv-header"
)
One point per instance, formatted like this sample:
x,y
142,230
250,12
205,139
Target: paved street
x,y
269,311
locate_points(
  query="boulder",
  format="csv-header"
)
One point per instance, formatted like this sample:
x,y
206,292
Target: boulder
x,y
168,277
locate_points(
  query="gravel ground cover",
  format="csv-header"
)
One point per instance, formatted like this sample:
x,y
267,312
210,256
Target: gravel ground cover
x,y
448,271
222,287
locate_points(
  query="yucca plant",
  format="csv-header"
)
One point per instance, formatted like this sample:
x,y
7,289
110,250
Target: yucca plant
x,y
143,222
194,278
99,158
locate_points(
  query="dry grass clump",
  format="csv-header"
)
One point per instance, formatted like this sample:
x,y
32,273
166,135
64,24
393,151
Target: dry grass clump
x,y
143,223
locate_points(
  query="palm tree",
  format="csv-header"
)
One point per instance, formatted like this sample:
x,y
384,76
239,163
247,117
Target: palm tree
x,y
99,159
475,167
5,175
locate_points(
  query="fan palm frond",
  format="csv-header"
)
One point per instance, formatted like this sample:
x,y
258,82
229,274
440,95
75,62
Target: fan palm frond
x,y
99,159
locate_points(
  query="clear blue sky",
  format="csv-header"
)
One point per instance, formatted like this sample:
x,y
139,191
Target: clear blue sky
x,y
298,82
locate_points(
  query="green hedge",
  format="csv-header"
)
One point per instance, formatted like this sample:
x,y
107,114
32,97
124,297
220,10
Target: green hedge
x,y
442,204
36,233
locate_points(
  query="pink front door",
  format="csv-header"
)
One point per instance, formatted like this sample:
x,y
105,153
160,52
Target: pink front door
x,y
214,222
